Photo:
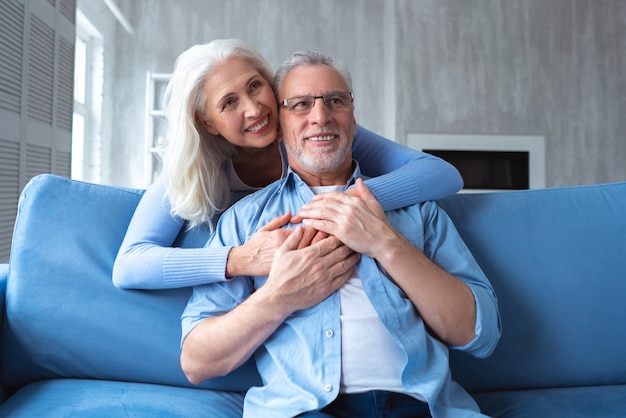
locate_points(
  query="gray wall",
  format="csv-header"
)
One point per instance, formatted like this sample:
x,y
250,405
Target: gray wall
x,y
553,68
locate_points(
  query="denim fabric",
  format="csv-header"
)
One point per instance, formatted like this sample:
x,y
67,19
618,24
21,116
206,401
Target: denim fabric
x,y
375,404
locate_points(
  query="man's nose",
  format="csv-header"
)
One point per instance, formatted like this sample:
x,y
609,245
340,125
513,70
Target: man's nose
x,y
320,113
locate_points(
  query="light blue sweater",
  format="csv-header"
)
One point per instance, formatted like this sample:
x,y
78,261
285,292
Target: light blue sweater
x,y
146,259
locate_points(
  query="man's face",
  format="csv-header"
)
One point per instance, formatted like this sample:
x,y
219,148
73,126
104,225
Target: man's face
x,y
319,142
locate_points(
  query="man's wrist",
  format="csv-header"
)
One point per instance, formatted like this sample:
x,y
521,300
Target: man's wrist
x,y
391,248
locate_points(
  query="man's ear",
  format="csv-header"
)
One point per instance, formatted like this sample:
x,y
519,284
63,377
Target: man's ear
x,y
206,124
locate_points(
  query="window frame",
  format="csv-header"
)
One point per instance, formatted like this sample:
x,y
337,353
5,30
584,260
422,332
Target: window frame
x,y
86,145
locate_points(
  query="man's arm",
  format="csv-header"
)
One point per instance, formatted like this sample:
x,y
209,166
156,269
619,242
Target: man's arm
x,y
298,279
445,303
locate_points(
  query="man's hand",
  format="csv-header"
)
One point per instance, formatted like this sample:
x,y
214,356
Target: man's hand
x,y
298,279
302,277
355,218
445,303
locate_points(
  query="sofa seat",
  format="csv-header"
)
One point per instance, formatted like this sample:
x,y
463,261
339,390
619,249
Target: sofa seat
x,y
570,402
102,398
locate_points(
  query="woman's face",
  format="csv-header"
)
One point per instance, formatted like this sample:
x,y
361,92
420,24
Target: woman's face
x,y
240,105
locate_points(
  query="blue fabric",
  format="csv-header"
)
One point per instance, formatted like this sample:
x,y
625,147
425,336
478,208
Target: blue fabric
x,y
147,261
571,402
4,273
64,317
399,176
302,363
106,399
557,260
554,256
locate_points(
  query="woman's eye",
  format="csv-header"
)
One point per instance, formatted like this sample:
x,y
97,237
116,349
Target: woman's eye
x,y
229,103
256,86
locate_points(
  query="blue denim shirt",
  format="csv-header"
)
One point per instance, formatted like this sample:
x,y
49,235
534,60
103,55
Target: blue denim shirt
x,y
300,364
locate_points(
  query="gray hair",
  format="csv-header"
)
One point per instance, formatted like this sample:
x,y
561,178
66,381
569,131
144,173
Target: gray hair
x,y
299,58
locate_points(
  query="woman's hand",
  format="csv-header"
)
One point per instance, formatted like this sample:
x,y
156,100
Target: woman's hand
x,y
255,257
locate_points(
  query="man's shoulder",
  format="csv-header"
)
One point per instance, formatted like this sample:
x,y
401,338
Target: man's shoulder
x,y
420,213
419,207
415,220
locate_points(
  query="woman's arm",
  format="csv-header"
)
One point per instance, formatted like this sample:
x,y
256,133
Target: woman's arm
x,y
146,258
402,176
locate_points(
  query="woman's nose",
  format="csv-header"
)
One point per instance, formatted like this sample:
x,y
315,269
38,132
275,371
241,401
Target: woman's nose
x,y
252,106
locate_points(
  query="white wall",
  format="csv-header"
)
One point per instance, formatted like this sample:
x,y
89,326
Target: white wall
x,y
528,67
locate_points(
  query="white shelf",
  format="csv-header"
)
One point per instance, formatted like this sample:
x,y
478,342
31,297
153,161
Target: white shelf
x,y
154,122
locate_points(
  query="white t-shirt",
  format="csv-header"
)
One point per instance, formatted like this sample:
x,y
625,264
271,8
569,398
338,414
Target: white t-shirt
x,y
370,359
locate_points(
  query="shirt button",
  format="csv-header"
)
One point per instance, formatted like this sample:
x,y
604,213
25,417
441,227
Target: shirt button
x,y
329,333
328,387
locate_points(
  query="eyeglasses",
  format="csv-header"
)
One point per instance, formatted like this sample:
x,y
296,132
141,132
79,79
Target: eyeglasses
x,y
336,102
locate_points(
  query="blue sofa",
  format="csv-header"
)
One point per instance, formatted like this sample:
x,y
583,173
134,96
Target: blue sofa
x,y
74,345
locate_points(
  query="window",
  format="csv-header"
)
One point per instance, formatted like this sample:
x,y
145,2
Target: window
x,y
80,88
88,81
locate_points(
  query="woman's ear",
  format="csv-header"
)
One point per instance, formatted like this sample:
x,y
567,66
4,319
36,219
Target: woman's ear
x,y
206,124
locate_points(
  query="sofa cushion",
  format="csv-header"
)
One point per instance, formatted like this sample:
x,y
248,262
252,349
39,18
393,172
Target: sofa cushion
x,y
94,398
557,260
64,317
571,402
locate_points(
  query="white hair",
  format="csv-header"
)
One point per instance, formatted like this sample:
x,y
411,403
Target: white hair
x,y
195,183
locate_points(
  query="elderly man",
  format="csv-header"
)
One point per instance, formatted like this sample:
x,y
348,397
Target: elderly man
x,y
331,337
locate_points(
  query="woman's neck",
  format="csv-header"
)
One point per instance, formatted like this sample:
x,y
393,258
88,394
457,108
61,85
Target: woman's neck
x,y
258,167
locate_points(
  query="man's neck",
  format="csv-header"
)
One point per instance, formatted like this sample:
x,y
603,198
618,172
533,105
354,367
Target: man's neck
x,y
336,177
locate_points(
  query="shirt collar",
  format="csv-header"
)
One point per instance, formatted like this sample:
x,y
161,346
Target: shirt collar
x,y
293,178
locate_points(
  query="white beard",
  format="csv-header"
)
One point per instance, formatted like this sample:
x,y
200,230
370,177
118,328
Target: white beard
x,y
322,159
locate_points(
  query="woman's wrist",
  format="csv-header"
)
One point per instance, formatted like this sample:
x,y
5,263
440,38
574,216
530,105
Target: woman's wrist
x,y
233,262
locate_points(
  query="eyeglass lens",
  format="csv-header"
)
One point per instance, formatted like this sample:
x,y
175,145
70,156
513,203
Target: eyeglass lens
x,y
336,102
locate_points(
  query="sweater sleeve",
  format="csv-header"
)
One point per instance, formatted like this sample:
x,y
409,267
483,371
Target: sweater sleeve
x,y
147,258
401,176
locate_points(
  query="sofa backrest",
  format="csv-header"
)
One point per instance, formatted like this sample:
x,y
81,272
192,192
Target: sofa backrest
x,y
557,260
64,317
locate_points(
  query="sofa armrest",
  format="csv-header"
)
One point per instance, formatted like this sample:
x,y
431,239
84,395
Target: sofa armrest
x,y
4,275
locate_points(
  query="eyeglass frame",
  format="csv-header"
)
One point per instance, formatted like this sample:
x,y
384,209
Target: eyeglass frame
x,y
286,101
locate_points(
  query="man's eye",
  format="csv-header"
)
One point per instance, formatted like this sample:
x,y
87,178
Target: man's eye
x,y
302,104
335,100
